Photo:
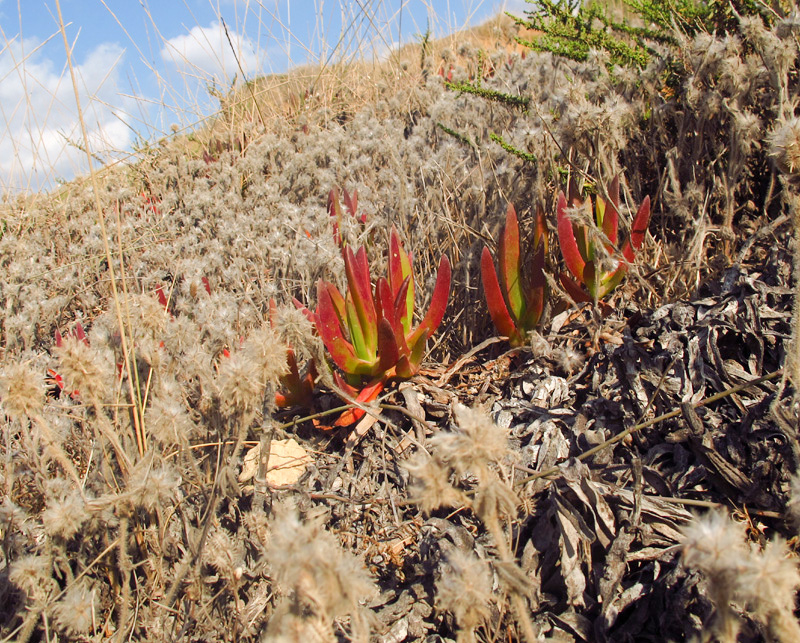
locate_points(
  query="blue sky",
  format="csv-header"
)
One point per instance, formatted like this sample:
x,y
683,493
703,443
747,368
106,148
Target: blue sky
x,y
145,65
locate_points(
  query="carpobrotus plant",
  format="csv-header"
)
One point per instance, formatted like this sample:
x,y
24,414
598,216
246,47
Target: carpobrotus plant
x,y
517,300
368,332
591,253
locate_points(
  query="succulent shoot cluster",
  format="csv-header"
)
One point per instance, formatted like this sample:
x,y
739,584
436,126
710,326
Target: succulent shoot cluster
x,y
589,246
595,260
369,330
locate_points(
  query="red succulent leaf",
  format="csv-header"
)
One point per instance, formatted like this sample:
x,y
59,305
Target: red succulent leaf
x,y
359,287
337,300
574,194
401,319
494,297
303,309
80,334
508,257
351,202
611,280
574,289
363,396
391,308
206,284
330,331
335,211
388,353
162,299
590,279
540,229
408,365
566,238
435,314
399,270
298,390
536,292
638,230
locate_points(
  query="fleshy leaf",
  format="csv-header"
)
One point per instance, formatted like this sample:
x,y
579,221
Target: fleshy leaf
x,y
494,297
357,271
638,230
536,291
335,211
351,202
388,354
566,239
363,396
399,311
508,256
610,220
573,288
330,332
399,270
540,229
612,280
357,339
590,279
432,319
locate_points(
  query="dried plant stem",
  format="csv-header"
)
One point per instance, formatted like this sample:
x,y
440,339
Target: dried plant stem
x,y
123,561
56,450
110,433
518,602
262,498
135,412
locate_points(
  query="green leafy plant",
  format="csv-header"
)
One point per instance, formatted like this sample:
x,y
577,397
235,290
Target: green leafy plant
x,y
591,252
516,300
368,331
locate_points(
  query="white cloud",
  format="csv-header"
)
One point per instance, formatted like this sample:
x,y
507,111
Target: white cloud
x,y
205,53
517,7
41,138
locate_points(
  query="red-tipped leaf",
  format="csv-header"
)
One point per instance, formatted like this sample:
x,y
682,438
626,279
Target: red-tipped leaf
x,y
399,270
388,353
441,292
638,230
363,396
330,332
494,297
610,220
536,292
357,271
351,202
566,239
573,288
508,257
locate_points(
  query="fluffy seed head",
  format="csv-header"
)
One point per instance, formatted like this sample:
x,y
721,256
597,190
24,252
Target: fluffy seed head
x,y
81,367
21,390
305,558
465,590
75,611
475,443
32,574
784,146
65,516
430,487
